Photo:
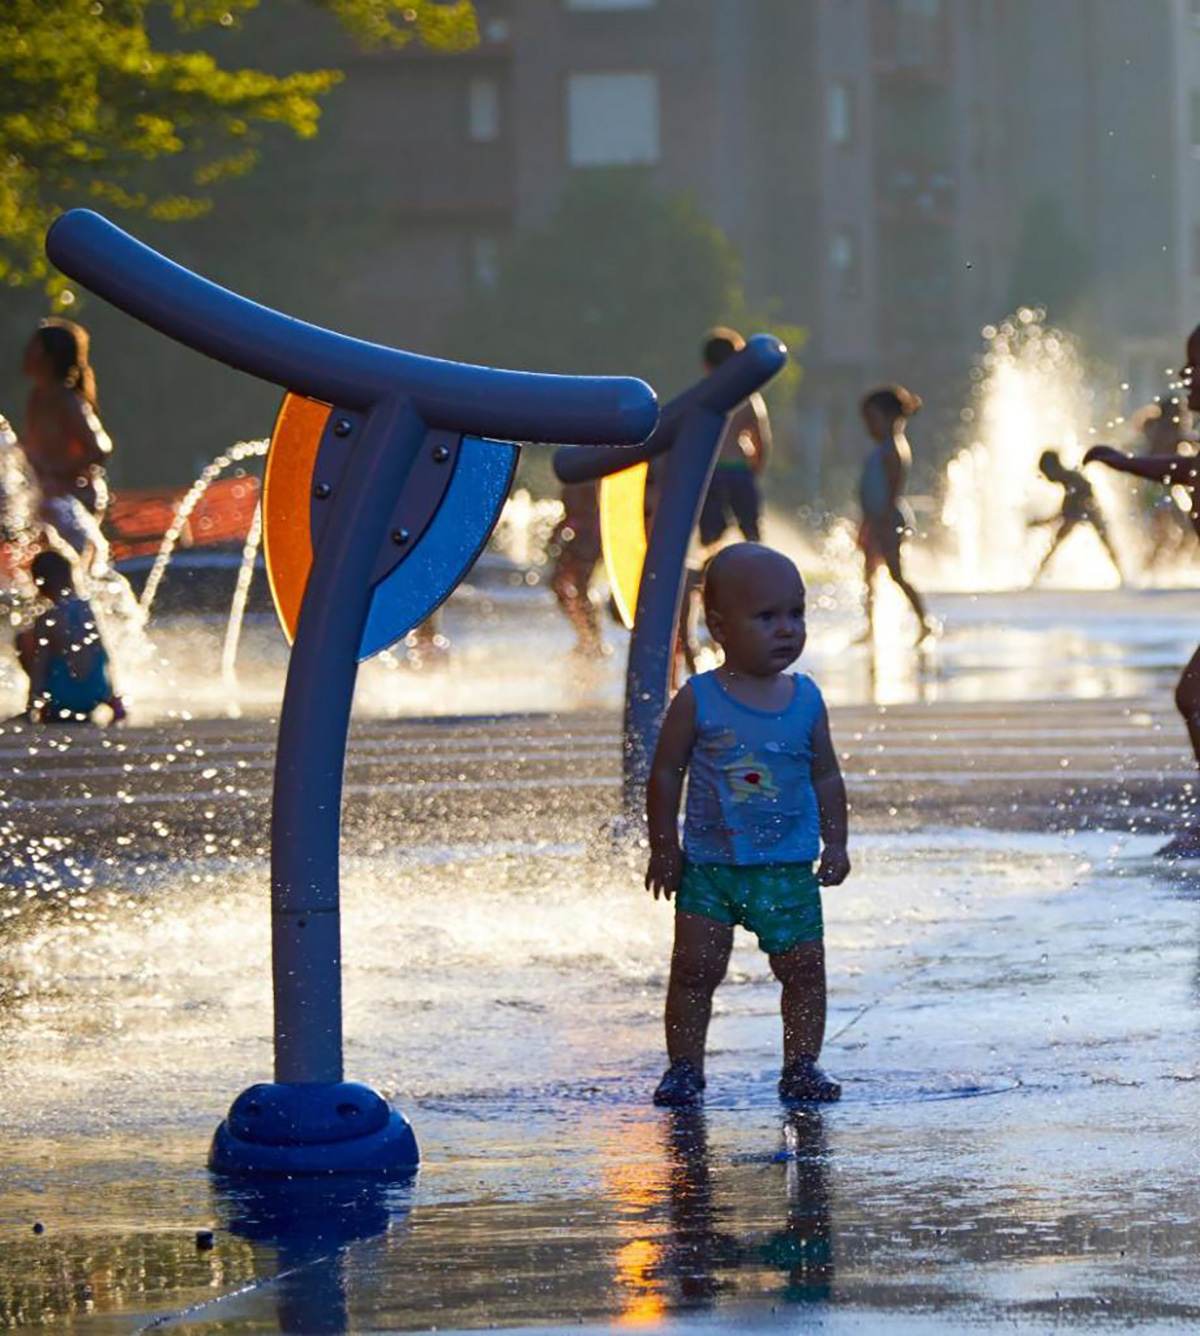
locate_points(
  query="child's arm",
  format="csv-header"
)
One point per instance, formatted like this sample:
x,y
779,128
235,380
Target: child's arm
x,y
758,429
82,427
664,791
831,803
1171,470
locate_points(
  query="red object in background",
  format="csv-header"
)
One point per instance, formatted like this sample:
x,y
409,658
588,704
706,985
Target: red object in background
x,y
136,521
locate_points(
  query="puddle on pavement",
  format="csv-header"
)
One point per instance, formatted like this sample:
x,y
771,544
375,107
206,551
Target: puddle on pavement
x,y
1013,1019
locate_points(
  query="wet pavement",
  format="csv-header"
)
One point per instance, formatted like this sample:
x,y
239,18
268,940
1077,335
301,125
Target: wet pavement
x,y
1014,997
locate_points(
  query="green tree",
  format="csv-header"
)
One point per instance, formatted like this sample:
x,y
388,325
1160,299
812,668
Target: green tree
x,y
623,280
114,103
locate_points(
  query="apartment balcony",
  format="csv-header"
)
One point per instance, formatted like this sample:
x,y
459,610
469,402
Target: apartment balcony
x,y
917,192
910,41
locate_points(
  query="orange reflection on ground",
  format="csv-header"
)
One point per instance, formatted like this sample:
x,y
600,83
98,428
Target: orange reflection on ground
x,y
637,1262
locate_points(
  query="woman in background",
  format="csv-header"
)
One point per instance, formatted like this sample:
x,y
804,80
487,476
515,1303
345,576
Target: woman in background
x,y
62,437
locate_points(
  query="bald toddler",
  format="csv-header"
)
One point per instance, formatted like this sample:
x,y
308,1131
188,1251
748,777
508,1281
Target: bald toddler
x,y
765,799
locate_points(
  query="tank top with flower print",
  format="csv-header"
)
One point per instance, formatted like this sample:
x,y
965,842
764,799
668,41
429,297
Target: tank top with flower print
x,y
750,795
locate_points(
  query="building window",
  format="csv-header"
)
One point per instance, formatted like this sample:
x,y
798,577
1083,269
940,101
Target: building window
x,y
483,110
840,112
612,119
493,20
485,261
611,4
843,260
919,32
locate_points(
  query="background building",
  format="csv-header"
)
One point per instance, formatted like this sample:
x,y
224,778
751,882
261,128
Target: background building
x,y
894,173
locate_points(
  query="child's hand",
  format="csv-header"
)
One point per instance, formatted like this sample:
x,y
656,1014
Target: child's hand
x,y
1103,454
835,865
666,867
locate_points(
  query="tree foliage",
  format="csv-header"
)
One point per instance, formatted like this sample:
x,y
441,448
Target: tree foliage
x,y
623,280
115,104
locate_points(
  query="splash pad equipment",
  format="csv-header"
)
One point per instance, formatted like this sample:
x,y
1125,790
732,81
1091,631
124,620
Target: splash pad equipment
x,y
648,572
383,483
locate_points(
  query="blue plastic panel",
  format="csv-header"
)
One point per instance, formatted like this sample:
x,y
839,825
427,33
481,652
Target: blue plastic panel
x,y
448,549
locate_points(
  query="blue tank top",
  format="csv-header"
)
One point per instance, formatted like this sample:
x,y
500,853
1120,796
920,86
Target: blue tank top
x,y
750,795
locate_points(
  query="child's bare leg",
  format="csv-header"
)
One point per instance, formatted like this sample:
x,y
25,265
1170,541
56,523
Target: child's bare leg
x,y
1063,529
1187,701
1186,843
698,964
1102,530
801,971
569,584
897,573
870,566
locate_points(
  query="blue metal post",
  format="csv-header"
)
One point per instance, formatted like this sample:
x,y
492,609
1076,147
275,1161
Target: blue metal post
x,y
310,757
309,1120
689,435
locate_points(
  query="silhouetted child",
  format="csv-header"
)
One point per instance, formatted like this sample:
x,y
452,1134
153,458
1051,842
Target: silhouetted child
x,y
1079,506
1164,427
886,524
1173,470
733,494
764,794
63,652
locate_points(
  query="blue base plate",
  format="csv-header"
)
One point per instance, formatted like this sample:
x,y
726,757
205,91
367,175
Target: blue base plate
x,y
321,1128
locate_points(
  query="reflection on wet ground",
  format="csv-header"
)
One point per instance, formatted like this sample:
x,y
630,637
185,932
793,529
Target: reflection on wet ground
x,y
1013,1011
1013,1017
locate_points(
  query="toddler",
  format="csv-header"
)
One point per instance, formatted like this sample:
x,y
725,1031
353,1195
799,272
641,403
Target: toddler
x,y
765,793
63,652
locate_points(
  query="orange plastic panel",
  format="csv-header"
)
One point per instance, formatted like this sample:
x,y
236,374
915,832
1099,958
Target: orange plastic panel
x,y
287,498
623,535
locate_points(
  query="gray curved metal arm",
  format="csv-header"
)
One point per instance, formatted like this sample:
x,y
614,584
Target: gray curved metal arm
x,y
720,392
331,367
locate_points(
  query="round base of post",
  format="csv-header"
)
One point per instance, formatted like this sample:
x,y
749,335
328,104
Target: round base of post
x,y
336,1127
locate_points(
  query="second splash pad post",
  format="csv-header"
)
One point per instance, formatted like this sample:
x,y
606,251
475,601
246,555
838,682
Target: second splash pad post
x,y
649,569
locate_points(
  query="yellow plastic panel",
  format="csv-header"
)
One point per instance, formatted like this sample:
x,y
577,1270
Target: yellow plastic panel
x,y
287,501
623,535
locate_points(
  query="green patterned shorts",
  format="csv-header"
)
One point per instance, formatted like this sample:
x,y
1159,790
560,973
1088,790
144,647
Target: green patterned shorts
x,y
779,902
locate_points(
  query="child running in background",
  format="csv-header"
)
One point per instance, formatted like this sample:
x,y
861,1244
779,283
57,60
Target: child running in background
x,y
63,653
1079,506
764,793
886,523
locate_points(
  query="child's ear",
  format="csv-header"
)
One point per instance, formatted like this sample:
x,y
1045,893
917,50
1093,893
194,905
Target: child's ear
x,y
716,625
